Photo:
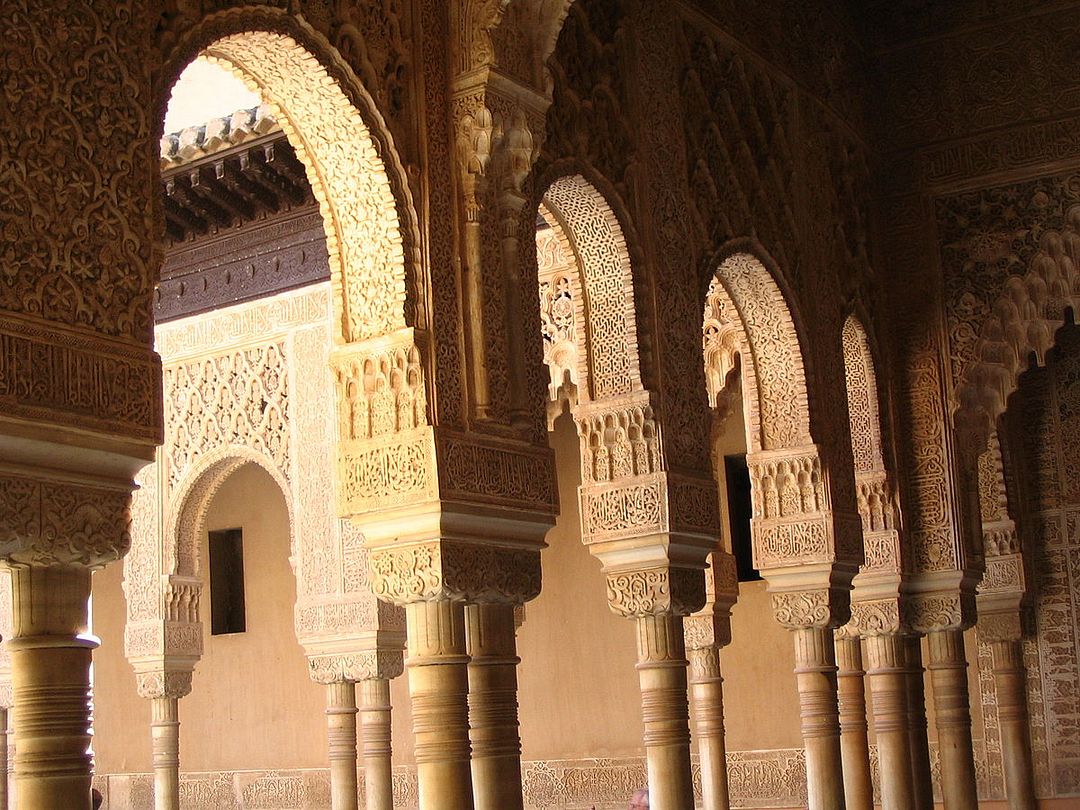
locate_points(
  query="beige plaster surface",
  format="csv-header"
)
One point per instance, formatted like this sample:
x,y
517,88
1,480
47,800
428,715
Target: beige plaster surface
x,y
578,688
252,703
121,717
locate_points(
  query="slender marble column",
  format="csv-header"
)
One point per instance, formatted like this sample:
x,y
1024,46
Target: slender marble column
x,y
662,675
3,758
493,707
815,673
887,673
375,731
707,713
948,676
921,776
50,661
854,744
165,733
438,687
341,734
1009,682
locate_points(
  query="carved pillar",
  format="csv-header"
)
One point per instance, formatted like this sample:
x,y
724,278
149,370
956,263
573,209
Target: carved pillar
x,y
1001,599
921,775
662,675
341,735
4,758
815,675
438,686
50,660
163,652
948,677
887,673
1010,685
429,553
707,715
165,732
1001,628
377,738
854,743
164,688
493,715
810,598
705,634
342,674
59,531
653,559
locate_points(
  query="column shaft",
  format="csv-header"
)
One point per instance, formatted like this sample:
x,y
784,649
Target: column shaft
x,y
50,661
854,744
3,758
341,735
921,777
438,687
1009,683
948,676
815,674
662,676
888,675
377,738
493,707
707,713
165,732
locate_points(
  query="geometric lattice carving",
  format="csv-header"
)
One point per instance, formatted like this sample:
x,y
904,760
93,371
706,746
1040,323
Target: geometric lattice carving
x,y
778,414
239,398
599,248
561,313
346,171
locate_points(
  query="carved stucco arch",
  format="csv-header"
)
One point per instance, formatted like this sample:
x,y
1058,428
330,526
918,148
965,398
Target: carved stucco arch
x,y
595,238
191,501
1022,323
773,371
338,133
864,413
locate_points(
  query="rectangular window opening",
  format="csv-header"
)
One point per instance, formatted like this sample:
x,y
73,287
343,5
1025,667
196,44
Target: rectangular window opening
x,y
739,513
227,613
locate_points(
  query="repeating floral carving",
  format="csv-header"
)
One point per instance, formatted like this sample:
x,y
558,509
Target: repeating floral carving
x,y
599,247
59,523
84,259
235,398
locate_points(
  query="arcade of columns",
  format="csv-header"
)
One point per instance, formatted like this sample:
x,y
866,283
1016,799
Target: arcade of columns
x,y
429,171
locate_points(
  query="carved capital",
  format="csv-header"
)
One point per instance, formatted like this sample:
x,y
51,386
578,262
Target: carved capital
x,y
876,617
932,612
445,570
360,666
825,608
55,522
1005,625
664,590
166,683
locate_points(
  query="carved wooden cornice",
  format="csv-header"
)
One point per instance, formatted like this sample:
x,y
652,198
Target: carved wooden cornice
x,y
240,218
227,172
